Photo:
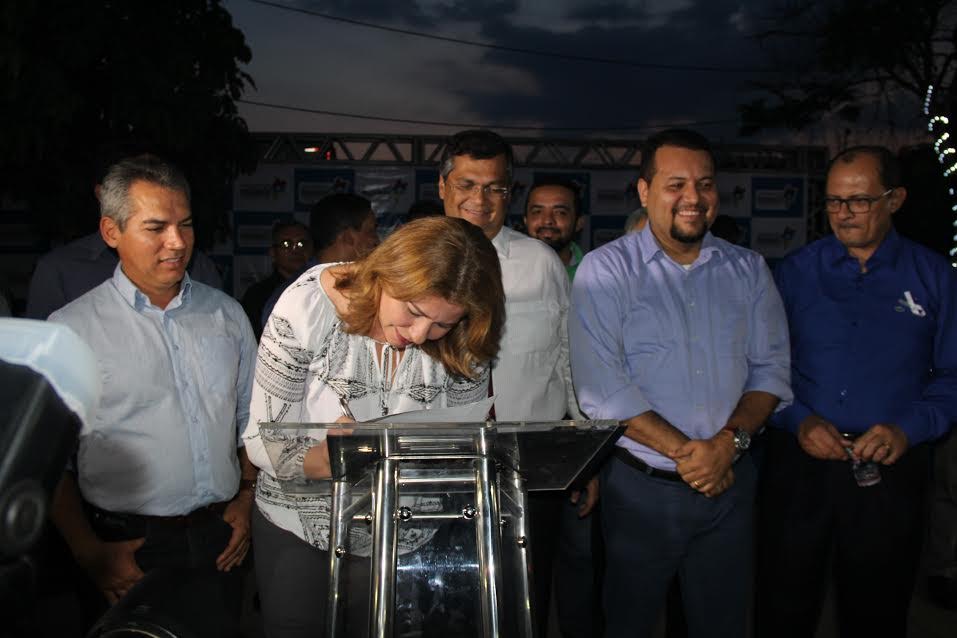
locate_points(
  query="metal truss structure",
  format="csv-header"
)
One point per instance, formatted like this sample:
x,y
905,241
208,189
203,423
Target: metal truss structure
x,y
591,154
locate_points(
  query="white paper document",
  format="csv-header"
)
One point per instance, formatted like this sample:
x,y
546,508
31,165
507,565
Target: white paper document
x,y
469,413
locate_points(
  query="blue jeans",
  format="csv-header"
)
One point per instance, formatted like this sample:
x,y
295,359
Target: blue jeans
x,y
655,528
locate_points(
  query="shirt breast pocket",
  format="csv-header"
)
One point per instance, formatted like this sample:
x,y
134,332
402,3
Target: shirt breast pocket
x,y
532,327
649,336
731,327
218,363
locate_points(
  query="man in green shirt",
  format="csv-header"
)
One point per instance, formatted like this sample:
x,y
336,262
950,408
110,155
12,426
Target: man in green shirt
x,y
553,215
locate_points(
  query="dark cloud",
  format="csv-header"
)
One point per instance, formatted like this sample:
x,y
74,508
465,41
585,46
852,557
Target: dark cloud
x,y
377,11
467,11
607,10
605,95
554,92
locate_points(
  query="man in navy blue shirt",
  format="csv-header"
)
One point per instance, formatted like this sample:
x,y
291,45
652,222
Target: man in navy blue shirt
x,y
874,372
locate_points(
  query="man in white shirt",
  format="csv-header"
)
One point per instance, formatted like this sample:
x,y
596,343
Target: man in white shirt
x,y
532,377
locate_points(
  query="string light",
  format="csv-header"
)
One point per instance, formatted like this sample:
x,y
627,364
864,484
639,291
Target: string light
x,y
940,121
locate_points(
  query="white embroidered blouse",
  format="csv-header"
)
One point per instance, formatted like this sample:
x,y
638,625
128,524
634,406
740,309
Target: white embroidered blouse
x,y
305,363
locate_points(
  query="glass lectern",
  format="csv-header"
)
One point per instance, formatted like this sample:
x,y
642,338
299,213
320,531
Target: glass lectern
x,y
437,511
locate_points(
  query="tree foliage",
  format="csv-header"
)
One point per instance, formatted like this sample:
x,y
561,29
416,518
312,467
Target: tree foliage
x,y
78,76
852,59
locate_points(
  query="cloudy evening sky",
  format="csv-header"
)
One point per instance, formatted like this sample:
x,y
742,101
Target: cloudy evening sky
x,y
307,61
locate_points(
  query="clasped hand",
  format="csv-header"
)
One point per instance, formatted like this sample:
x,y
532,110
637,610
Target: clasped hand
x,y
882,443
705,464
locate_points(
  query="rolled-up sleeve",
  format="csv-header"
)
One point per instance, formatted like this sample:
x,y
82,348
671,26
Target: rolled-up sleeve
x,y
769,349
244,381
604,388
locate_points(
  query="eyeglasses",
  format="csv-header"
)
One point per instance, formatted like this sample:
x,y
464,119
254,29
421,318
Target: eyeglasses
x,y
468,188
301,244
857,205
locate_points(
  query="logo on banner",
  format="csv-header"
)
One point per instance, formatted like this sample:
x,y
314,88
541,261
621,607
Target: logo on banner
x,y
263,190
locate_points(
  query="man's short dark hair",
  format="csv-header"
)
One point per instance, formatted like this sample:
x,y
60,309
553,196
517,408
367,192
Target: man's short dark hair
x,y
680,137
477,144
888,166
333,214
278,227
561,182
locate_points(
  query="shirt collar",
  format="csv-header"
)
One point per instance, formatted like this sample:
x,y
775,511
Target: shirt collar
x,y
137,300
835,252
501,241
577,255
650,248
887,252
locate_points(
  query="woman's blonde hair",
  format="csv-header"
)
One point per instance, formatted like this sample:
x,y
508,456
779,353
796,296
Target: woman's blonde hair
x,y
441,257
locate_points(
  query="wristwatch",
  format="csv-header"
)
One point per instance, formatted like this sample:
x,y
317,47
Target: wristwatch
x,y
742,440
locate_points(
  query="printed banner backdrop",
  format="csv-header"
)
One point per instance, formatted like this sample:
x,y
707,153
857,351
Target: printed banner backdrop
x,y
252,231
268,189
391,192
389,189
769,209
252,236
776,237
312,184
744,225
427,184
777,196
614,192
735,192
521,180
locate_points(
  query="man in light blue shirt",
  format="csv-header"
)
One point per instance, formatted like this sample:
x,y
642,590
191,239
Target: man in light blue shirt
x,y
682,337
161,478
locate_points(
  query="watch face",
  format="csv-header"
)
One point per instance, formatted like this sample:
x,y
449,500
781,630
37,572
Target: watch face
x,y
742,440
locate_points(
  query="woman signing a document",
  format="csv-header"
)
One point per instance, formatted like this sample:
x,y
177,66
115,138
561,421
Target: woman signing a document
x,y
413,325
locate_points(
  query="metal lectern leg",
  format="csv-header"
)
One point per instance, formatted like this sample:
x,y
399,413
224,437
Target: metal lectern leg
x,y
337,533
384,542
521,555
489,544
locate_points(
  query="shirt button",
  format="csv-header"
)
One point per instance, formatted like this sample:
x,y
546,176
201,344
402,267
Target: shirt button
x,y
698,372
691,303
175,347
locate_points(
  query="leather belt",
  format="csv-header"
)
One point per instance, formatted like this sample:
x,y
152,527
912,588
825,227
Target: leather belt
x,y
628,458
182,520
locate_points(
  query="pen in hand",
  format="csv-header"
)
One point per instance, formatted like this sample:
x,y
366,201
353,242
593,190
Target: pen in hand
x,y
344,406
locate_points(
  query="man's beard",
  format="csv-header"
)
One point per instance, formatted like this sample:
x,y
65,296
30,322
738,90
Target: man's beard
x,y
692,237
558,244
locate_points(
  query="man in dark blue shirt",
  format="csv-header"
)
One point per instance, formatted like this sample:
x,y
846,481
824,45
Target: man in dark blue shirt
x,y
873,330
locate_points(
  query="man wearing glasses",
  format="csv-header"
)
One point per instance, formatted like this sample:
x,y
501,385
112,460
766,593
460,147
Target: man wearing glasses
x,y
532,378
290,249
343,228
874,370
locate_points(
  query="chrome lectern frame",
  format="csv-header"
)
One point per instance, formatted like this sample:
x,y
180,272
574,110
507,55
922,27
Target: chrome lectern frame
x,y
501,461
